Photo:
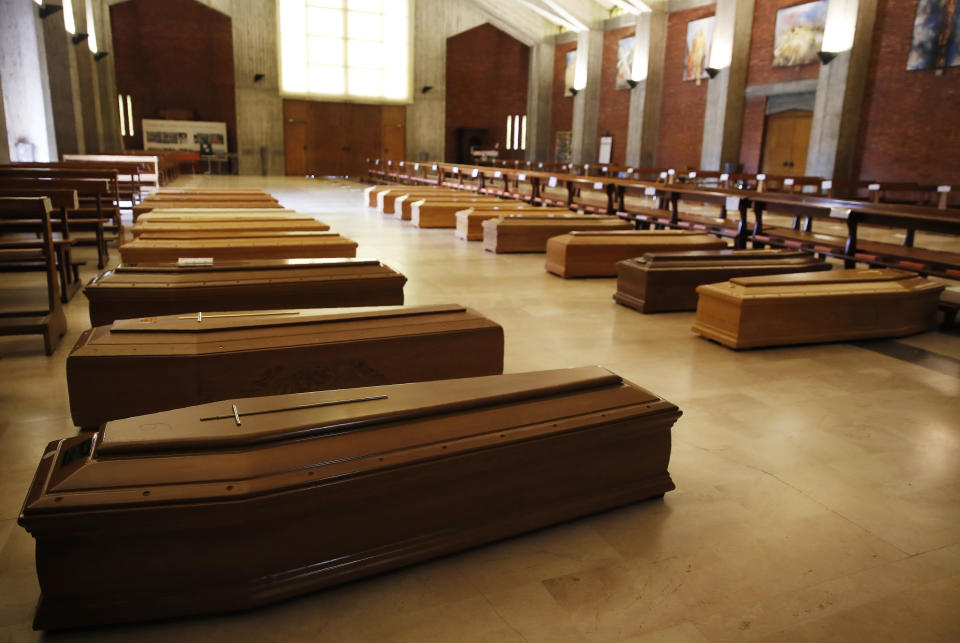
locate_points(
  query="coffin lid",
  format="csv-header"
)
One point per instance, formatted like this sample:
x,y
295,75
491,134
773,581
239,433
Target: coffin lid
x,y
282,418
640,234
226,266
698,257
200,322
827,277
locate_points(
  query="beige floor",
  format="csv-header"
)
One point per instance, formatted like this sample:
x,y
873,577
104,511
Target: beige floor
x,y
818,488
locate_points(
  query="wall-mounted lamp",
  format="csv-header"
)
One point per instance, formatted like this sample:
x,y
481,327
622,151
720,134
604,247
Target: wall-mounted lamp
x,y
49,9
826,56
79,37
574,91
426,88
258,77
712,72
633,83
100,55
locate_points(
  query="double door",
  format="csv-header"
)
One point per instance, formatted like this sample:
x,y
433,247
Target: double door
x,y
336,139
786,139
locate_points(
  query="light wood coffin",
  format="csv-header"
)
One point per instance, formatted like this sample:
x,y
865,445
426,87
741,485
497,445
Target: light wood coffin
x,y
403,205
125,369
806,307
144,290
239,503
157,204
314,246
225,229
470,220
667,281
213,215
387,200
437,213
595,254
520,233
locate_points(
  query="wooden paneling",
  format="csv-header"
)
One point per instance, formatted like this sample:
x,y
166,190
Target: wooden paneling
x,y
336,139
175,55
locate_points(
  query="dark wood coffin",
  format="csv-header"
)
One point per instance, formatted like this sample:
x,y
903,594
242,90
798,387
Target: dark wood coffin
x,y
145,290
667,281
442,213
595,254
470,220
520,233
125,369
806,307
239,503
316,245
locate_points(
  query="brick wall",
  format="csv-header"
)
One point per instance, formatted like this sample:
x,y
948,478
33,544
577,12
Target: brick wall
x,y
614,110
751,143
909,119
175,56
561,118
761,70
486,81
684,103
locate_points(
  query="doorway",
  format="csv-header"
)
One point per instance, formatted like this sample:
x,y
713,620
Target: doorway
x,y
336,139
786,138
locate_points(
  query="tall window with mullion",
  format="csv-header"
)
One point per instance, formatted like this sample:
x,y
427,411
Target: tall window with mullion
x,y
345,49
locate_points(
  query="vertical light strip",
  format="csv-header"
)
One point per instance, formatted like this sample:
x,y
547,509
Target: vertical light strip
x,y
516,132
130,114
68,22
523,132
91,26
509,123
123,121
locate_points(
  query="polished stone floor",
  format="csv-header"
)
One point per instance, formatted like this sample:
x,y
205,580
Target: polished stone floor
x,y
818,487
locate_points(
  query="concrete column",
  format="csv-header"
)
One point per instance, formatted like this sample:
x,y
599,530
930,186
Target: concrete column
x,y
586,104
4,148
26,99
644,115
840,90
730,53
64,86
539,103
107,78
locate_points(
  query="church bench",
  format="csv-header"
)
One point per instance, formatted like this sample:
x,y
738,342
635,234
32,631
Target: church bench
x,y
51,323
105,203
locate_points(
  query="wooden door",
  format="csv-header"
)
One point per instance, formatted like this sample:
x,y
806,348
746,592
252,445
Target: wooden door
x,y
295,147
393,134
786,138
326,139
361,138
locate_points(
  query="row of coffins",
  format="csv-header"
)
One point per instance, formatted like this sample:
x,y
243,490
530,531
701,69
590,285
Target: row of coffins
x,y
223,442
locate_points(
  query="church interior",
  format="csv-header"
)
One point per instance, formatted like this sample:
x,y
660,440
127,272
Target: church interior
x,y
480,320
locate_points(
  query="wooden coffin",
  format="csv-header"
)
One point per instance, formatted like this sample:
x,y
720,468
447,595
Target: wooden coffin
x,y
157,204
124,369
243,502
212,229
216,215
595,254
313,246
801,308
387,199
145,290
436,213
370,194
403,205
250,233
667,281
470,220
520,233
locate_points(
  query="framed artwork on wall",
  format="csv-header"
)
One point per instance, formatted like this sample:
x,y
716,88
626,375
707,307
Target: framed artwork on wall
x,y
699,40
626,48
798,34
570,72
936,35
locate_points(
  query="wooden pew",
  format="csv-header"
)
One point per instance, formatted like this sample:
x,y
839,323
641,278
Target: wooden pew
x,y
129,184
79,219
595,254
150,176
100,205
520,233
220,355
279,246
50,323
808,307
